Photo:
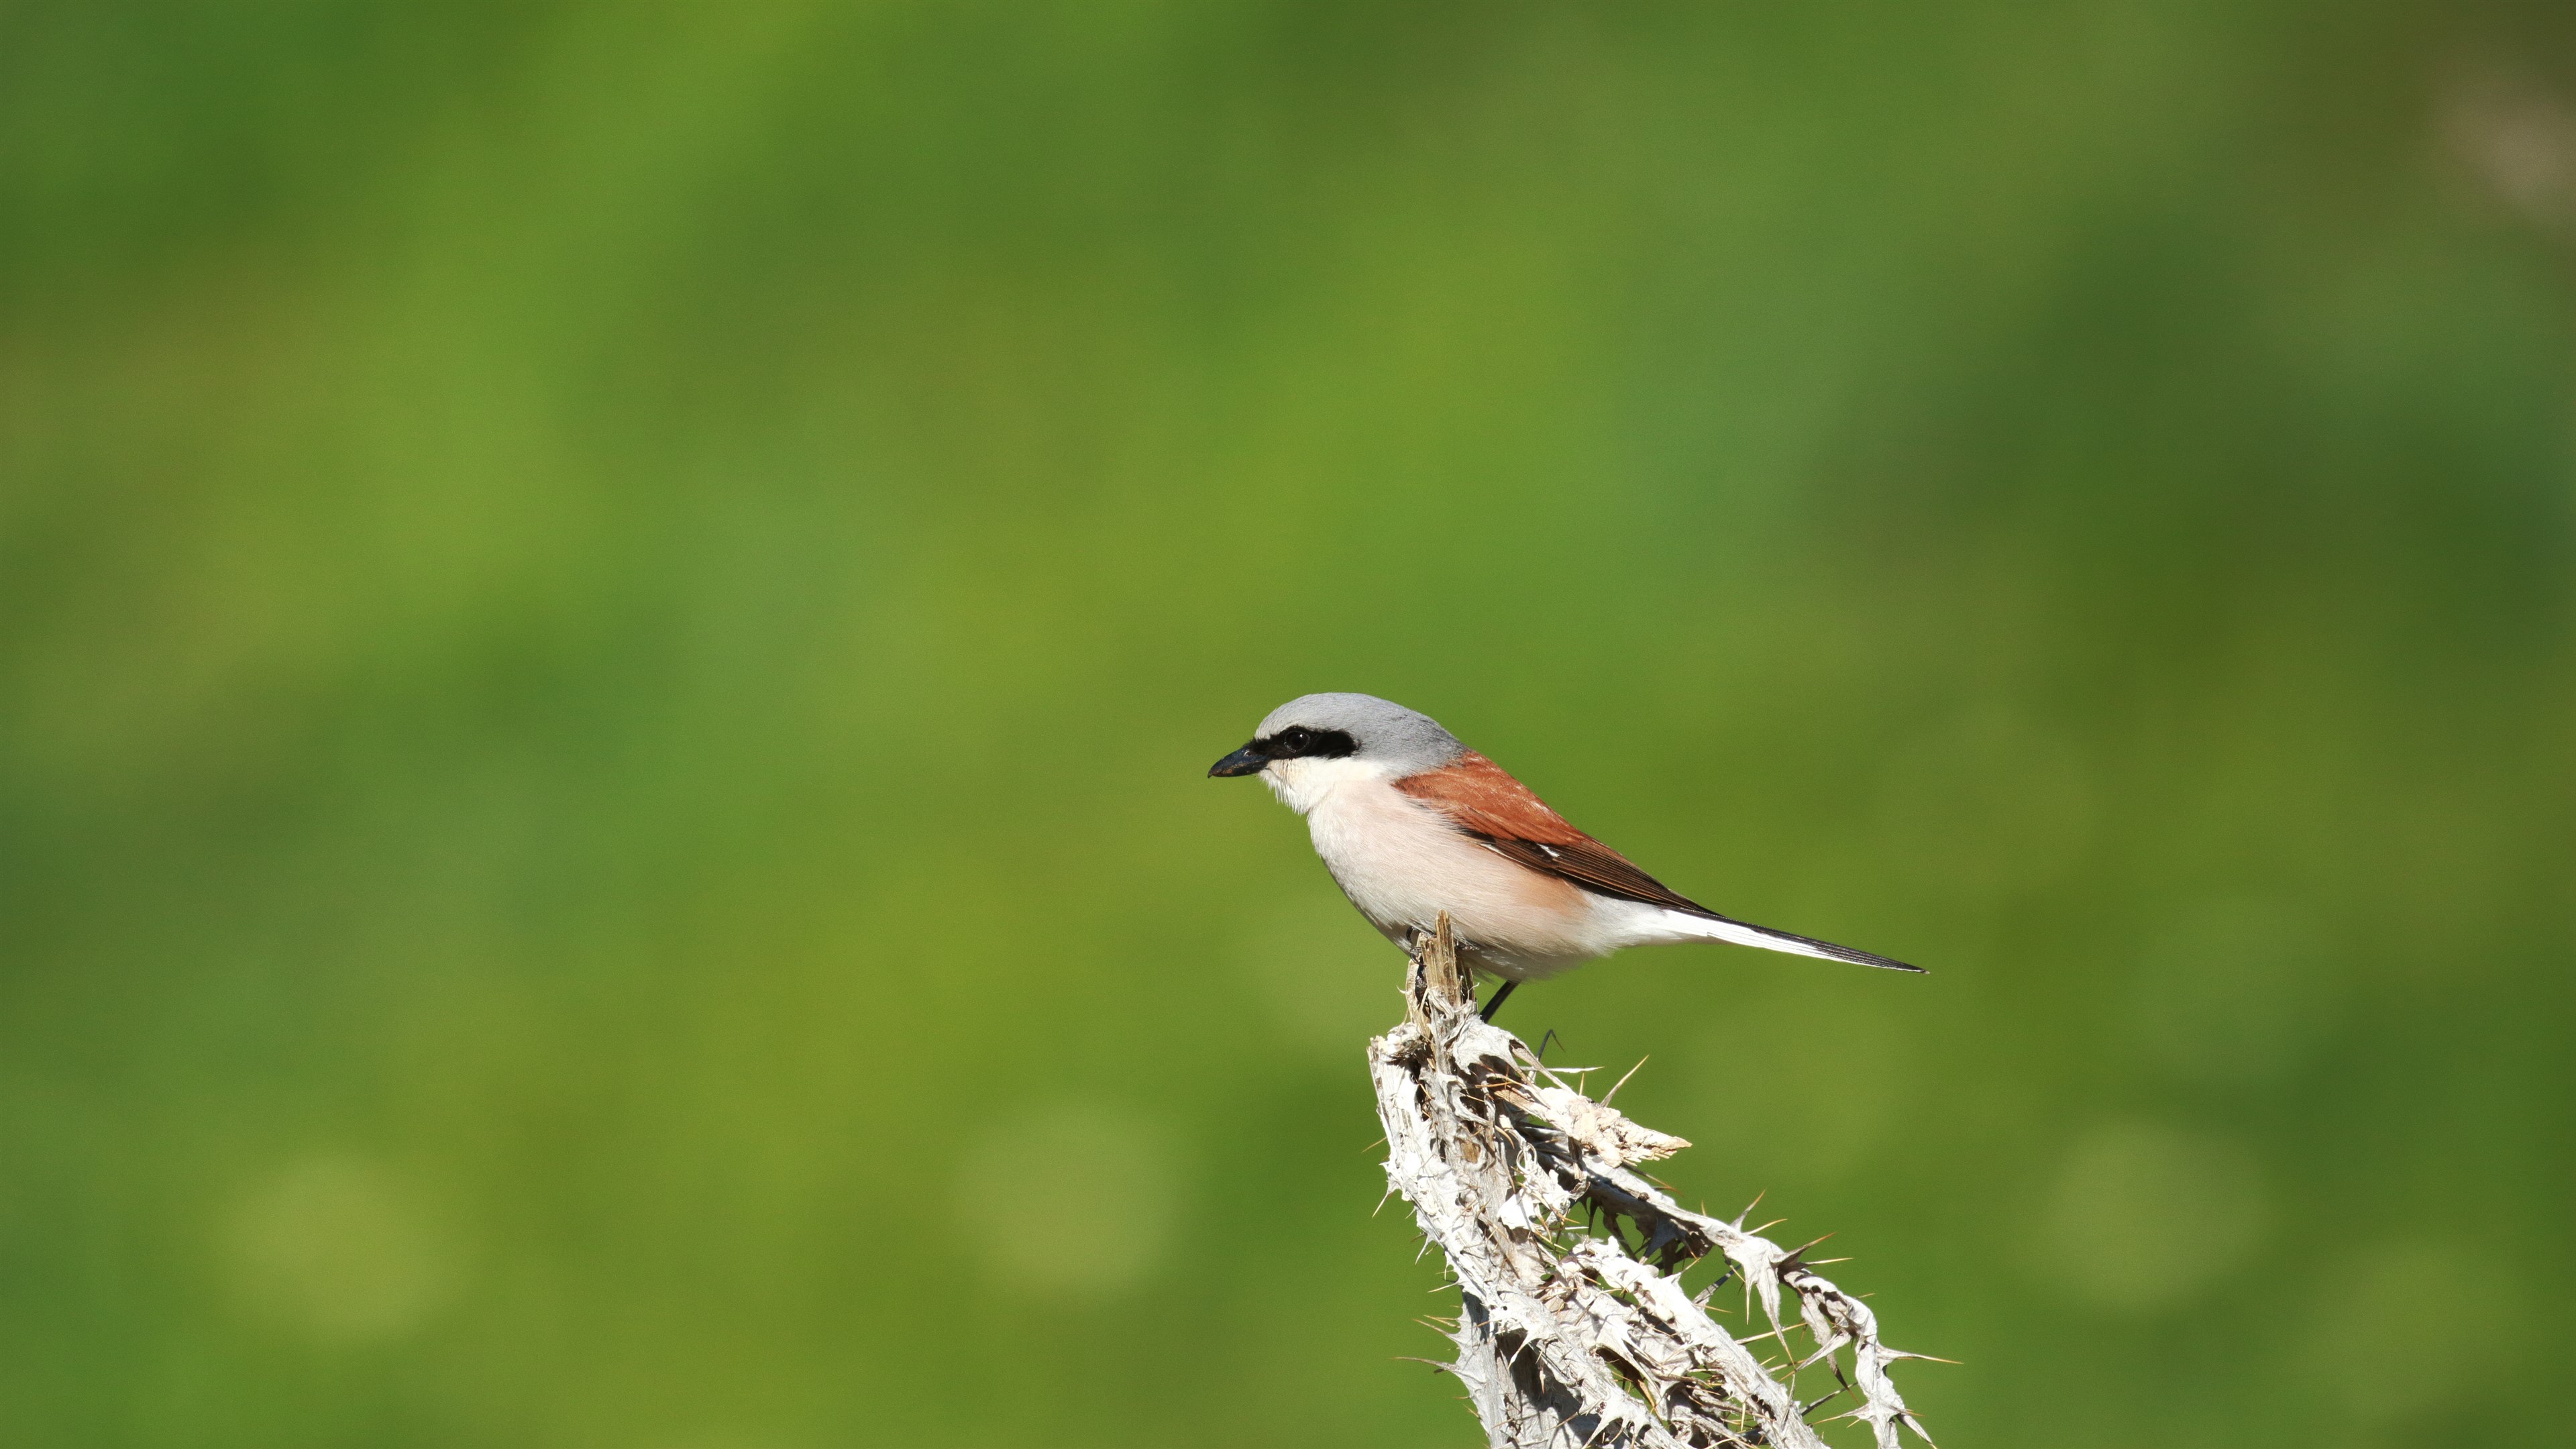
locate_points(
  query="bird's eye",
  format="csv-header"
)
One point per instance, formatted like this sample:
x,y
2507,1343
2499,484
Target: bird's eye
x,y
1295,739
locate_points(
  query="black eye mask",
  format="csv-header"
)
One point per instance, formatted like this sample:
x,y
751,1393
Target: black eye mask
x,y
1300,743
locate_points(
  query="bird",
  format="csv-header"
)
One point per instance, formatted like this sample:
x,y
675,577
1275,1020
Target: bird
x,y
1412,824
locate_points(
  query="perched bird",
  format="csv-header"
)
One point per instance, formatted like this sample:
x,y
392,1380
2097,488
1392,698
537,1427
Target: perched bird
x,y
1412,823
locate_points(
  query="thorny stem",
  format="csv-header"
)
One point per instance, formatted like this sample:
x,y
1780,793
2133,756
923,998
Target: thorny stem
x,y
1568,1336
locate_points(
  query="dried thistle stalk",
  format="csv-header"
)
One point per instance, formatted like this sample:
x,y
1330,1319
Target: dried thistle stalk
x,y
1566,1337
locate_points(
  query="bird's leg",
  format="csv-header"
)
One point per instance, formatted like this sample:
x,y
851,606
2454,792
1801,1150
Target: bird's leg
x,y
1496,1004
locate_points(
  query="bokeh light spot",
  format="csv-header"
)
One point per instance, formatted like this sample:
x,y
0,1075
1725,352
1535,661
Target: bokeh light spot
x,y
2409,1327
2144,1216
1074,1198
340,1248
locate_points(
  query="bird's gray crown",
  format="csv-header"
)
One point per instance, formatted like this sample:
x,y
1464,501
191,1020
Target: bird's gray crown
x,y
1405,741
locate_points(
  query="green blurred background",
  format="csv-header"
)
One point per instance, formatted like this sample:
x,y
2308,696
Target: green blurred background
x,y
614,615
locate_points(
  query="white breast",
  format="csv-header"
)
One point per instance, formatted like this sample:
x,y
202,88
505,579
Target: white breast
x,y
1402,864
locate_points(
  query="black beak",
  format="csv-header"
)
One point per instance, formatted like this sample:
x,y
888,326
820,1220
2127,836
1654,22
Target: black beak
x,y
1244,761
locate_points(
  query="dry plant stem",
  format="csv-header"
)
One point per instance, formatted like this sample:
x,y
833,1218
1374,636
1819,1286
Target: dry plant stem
x,y
1567,1338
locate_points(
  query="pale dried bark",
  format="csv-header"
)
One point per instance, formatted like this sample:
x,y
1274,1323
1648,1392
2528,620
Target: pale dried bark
x,y
1569,1337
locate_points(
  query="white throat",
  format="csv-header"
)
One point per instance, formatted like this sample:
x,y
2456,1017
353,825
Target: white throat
x,y
1303,784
